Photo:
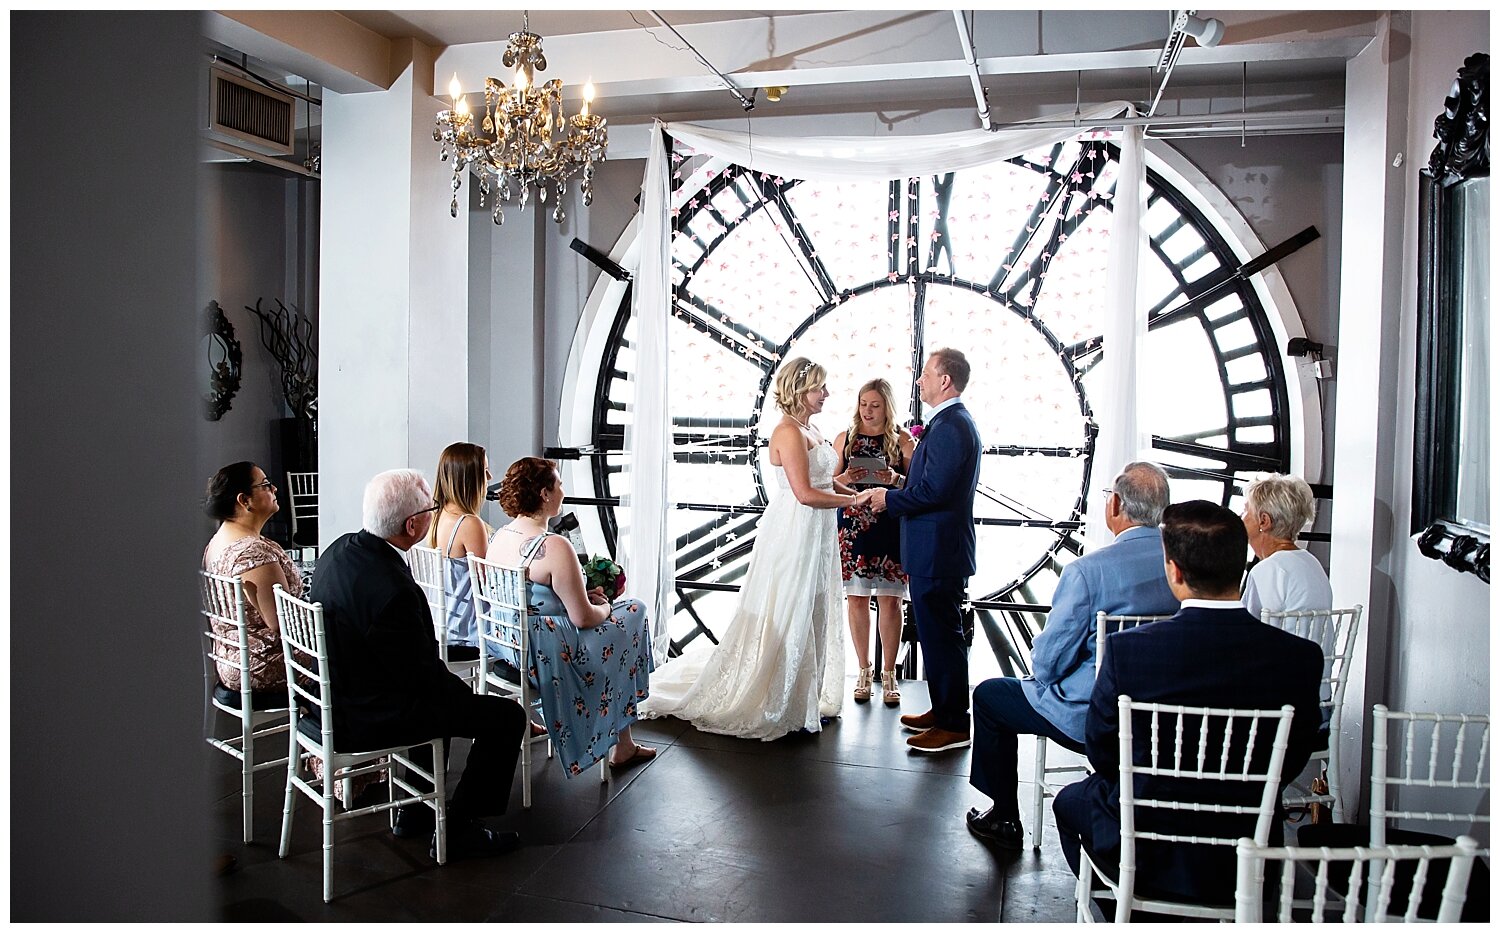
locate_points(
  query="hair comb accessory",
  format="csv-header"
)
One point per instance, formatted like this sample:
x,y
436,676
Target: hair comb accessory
x,y
806,368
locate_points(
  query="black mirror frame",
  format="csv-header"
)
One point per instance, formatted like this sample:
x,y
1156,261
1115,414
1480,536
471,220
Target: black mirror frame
x,y
224,376
1462,152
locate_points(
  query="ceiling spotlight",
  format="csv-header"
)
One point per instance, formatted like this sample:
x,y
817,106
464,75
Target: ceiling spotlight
x,y
773,94
1206,32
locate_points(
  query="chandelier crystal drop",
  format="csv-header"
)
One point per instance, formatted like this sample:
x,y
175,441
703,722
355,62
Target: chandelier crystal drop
x,y
524,139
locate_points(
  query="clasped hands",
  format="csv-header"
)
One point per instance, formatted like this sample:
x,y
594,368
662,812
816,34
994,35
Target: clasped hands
x,y
597,597
874,498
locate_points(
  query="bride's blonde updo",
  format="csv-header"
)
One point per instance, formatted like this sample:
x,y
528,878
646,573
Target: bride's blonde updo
x,y
797,378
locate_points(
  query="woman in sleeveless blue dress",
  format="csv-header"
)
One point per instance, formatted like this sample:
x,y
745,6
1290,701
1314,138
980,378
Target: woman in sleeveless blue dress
x,y
462,472
590,657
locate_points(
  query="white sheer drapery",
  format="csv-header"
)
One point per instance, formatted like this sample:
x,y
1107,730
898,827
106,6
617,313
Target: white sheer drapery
x,y
1115,401
647,548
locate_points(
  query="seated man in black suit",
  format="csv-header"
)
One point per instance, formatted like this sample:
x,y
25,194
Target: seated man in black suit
x,y
1211,653
389,685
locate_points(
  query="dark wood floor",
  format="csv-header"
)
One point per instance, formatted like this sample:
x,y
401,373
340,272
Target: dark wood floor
x,y
841,826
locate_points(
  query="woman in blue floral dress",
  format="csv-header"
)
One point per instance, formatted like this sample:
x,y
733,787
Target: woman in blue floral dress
x,y
870,543
590,656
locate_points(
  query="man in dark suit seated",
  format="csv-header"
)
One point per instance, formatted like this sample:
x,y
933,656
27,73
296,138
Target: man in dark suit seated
x,y
389,685
1211,653
1125,578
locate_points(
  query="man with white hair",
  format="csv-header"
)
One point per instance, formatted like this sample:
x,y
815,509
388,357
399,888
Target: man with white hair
x,y
389,685
1125,578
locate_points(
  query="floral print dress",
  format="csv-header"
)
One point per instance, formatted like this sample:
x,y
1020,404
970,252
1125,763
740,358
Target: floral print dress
x,y
267,668
870,542
589,681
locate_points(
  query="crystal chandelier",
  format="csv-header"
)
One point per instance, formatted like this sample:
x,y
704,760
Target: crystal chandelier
x,y
525,140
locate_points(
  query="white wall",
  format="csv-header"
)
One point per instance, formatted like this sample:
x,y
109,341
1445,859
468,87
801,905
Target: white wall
x,y
394,380
1439,642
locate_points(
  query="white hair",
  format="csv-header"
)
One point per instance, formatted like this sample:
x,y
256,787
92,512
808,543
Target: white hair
x,y
1287,499
391,497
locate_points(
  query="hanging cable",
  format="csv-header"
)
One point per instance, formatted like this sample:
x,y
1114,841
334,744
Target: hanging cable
x,y
739,95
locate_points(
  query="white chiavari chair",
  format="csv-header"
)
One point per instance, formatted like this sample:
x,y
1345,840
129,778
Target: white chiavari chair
x,y
503,612
1340,878
1334,631
304,648
1103,625
429,570
1220,746
302,496
260,715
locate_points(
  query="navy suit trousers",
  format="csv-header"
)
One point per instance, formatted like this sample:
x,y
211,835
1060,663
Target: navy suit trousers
x,y
1002,714
935,603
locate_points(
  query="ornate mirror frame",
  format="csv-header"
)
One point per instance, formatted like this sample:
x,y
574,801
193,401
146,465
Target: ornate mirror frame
x,y
224,362
1444,257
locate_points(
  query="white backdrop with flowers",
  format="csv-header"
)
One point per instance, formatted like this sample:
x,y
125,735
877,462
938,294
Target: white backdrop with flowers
x,y
646,545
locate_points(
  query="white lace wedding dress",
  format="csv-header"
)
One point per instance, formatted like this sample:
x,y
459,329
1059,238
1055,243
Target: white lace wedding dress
x,y
779,665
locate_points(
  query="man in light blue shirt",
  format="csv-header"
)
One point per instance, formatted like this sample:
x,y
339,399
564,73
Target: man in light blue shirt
x,y
1125,578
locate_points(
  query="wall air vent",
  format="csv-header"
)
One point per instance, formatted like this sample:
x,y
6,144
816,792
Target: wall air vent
x,y
251,113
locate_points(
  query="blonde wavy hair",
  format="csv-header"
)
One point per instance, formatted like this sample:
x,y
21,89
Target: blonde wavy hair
x,y
890,438
797,378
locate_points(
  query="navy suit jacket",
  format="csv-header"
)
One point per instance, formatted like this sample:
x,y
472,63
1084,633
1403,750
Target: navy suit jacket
x,y
389,685
1199,657
936,505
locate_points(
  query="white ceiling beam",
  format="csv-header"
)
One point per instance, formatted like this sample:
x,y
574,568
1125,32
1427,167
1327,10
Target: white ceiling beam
x,y
695,80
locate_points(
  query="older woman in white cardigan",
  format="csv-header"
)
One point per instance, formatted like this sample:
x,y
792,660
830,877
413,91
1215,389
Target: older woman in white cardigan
x,y
1277,508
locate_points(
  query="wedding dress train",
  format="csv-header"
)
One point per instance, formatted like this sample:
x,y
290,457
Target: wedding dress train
x,y
779,665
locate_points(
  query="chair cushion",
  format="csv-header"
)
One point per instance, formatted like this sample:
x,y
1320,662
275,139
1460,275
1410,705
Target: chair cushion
x,y
506,671
1345,836
310,724
259,699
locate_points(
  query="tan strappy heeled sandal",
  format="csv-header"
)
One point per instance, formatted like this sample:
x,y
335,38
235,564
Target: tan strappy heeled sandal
x,y
863,684
890,688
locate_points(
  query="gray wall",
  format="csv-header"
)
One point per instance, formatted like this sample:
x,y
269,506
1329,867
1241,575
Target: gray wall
x,y
258,240
527,290
1282,185
109,794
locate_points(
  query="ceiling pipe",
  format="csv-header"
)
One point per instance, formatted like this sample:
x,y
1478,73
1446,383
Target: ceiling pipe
x,y
1303,119
748,103
968,43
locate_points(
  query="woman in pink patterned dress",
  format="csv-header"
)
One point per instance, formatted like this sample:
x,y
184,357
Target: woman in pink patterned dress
x,y
242,499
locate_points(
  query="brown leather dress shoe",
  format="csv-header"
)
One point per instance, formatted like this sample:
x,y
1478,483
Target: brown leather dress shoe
x,y
918,722
937,740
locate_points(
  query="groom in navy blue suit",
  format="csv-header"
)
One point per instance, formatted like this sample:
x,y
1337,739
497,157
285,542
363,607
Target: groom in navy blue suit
x,y
936,508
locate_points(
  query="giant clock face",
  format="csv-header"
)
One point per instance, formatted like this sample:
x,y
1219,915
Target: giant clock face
x,y
1007,264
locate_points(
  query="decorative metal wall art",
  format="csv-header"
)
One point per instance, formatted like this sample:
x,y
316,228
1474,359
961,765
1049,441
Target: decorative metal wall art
x,y
288,334
224,360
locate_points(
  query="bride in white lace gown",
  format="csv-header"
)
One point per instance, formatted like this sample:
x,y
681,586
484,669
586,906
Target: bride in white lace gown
x,y
779,665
